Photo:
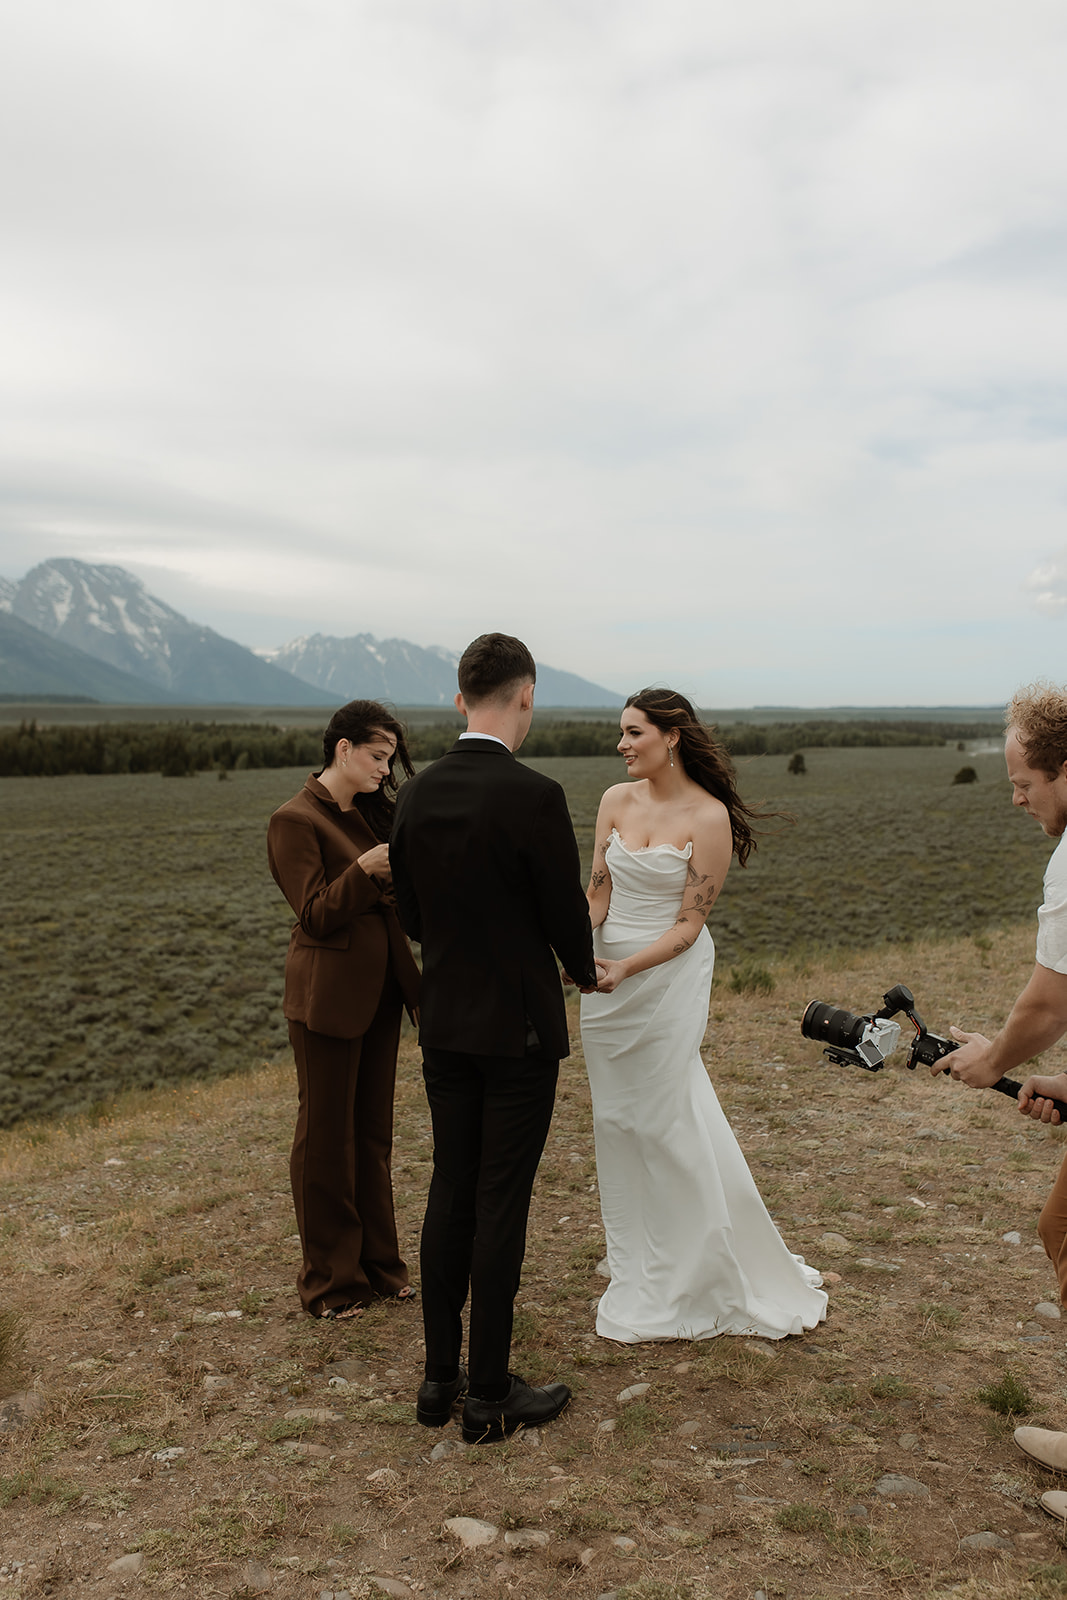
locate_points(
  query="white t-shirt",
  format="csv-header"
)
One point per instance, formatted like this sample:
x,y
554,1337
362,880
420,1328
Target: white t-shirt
x,y
1052,913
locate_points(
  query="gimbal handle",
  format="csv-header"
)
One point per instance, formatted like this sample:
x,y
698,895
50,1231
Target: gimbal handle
x,y
900,998
1012,1086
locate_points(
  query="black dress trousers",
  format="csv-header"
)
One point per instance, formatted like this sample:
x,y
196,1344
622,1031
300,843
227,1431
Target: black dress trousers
x,y
491,1116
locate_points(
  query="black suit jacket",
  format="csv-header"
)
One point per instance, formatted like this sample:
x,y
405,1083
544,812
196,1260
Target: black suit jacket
x,y
487,877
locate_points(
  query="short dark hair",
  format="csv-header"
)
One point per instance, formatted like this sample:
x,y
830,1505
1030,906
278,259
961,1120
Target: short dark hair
x,y
493,666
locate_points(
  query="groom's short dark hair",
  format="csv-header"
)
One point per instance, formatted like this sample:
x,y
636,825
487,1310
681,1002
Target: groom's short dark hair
x,y
493,666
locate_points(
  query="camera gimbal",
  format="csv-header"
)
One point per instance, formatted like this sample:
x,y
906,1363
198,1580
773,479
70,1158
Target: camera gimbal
x,y
866,1041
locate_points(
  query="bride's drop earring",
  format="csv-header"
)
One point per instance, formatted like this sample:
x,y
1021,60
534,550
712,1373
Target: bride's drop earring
x,y
670,752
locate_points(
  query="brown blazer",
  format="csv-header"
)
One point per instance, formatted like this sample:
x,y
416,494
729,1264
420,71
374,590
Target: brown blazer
x,y
346,936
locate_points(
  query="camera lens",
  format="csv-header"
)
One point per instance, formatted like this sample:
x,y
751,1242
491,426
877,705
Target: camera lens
x,y
831,1025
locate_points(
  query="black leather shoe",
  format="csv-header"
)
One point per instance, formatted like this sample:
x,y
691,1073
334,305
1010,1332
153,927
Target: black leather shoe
x,y
521,1407
433,1408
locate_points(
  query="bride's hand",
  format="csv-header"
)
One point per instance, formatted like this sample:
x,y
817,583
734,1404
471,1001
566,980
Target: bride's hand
x,y
611,975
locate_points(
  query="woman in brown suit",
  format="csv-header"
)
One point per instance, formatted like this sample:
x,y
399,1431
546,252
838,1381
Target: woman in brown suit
x,y
348,975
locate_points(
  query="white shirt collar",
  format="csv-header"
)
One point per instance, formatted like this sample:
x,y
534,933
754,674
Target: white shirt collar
x,y
486,736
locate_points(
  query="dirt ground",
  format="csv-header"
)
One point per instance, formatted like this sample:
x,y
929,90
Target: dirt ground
x,y
175,1412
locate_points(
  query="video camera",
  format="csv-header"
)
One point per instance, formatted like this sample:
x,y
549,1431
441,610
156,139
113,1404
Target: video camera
x,y
854,1041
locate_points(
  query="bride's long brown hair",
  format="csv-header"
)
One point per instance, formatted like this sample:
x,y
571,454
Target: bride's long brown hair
x,y
705,760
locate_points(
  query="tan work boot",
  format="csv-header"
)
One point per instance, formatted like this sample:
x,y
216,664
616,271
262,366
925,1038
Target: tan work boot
x,y
1048,1449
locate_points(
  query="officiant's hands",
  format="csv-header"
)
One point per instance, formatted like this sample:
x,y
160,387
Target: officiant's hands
x,y
375,863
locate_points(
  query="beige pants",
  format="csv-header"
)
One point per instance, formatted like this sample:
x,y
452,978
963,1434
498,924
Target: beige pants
x,y
1052,1228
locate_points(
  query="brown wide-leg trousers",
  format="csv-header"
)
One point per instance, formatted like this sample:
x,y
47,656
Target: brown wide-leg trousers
x,y
1052,1228
340,1165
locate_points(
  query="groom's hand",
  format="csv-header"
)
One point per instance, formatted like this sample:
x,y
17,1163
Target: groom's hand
x,y
570,983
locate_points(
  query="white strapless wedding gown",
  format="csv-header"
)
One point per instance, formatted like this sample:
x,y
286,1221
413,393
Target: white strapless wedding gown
x,y
692,1250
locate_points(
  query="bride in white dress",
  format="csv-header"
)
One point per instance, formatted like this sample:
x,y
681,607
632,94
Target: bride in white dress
x,y
692,1251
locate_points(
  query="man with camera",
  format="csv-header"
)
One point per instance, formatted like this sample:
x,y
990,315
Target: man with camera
x,y
1036,754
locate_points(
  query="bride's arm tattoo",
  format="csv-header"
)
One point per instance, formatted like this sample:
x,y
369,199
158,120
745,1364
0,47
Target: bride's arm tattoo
x,y
599,876
700,891
699,899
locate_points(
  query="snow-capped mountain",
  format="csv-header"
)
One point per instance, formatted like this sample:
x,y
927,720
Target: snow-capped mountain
x,y
104,610
32,664
410,674
373,669
108,613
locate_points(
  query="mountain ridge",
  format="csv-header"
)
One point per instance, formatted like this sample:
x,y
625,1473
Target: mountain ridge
x,y
411,674
32,663
106,614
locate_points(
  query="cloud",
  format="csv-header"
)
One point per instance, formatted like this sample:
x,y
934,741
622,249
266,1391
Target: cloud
x,y
1048,586
660,334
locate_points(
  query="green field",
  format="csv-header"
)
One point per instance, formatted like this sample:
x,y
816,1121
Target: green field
x,y
144,939
884,847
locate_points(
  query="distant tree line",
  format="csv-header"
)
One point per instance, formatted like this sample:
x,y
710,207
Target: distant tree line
x,y
562,738
176,749
179,749
49,699
783,738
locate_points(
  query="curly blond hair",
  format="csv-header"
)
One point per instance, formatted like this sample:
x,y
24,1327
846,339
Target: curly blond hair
x,y
1038,716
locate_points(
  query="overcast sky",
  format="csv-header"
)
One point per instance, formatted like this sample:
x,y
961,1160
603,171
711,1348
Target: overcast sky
x,y
716,345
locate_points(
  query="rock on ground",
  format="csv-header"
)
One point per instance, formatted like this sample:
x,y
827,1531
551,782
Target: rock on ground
x,y
527,1538
985,1541
634,1392
893,1484
471,1531
130,1564
18,1409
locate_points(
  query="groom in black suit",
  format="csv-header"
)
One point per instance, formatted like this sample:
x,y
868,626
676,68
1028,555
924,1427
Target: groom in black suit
x,y
486,872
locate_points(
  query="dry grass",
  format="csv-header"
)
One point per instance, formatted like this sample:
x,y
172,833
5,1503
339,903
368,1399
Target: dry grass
x,y
127,1241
